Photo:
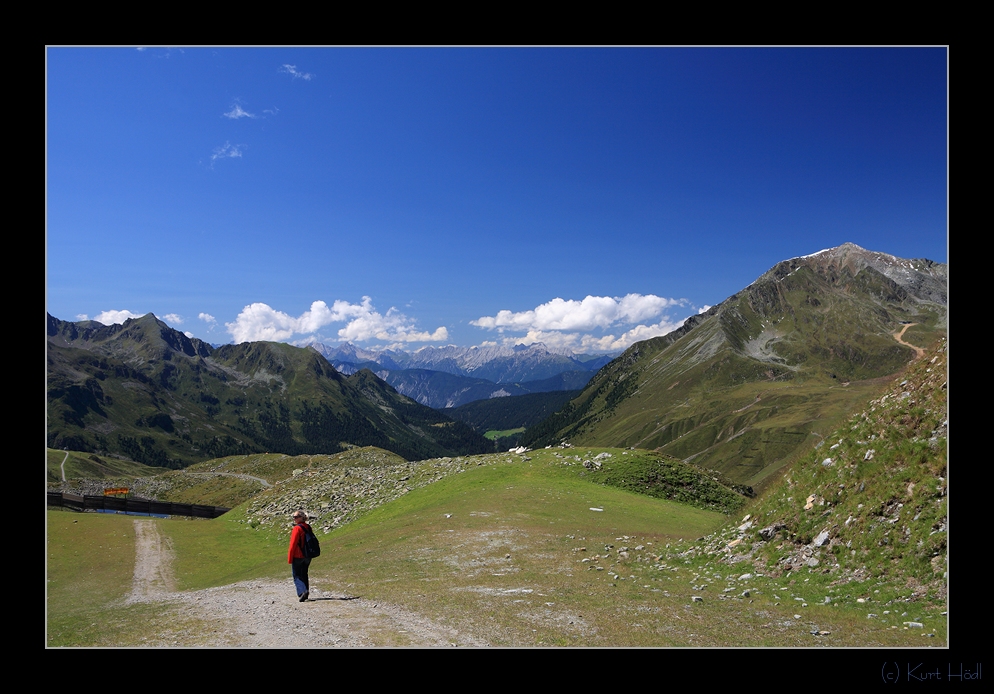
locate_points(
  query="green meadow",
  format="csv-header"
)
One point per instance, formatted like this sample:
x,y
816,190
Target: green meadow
x,y
495,434
532,552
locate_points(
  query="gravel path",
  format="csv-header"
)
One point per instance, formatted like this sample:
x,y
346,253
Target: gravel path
x,y
239,475
267,613
153,578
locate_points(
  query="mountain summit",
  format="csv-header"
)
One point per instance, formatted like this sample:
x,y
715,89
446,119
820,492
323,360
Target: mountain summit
x,y
745,386
924,279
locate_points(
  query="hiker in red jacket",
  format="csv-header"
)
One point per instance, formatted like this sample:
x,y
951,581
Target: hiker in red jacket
x,y
297,557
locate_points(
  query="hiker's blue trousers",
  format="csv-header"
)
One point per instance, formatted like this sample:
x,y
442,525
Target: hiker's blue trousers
x,y
300,581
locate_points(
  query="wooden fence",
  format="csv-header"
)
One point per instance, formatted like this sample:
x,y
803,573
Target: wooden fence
x,y
74,502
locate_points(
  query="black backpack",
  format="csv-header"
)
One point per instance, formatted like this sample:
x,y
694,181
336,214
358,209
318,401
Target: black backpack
x,y
312,548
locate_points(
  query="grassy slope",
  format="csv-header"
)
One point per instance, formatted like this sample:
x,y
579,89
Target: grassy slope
x,y
877,487
91,466
271,467
877,490
747,432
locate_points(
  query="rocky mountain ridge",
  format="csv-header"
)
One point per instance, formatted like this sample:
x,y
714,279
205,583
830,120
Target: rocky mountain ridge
x,y
147,392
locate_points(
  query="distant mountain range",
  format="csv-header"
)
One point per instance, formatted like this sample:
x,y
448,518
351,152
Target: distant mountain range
x,y
149,393
445,377
495,363
744,387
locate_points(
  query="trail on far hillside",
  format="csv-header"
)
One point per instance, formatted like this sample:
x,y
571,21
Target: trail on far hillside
x,y
237,475
900,334
267,612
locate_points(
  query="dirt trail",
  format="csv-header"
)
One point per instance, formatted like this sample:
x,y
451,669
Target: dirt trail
x,y
900,334
153,578
266,613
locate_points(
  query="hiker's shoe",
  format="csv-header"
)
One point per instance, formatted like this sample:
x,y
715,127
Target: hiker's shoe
x,y
303,598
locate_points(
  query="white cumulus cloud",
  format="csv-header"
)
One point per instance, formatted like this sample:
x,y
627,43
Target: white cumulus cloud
x,y
82,316
173,318
591,313
261,322
580,342
207,318
114,317
363,322
568,323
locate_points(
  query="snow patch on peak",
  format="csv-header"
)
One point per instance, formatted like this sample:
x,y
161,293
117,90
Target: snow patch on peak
x,y
812,255
847,246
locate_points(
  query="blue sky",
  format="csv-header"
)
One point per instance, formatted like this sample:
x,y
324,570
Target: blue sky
x,y
585,198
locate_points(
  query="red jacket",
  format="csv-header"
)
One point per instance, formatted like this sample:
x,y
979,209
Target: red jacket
x,y
297,543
